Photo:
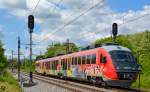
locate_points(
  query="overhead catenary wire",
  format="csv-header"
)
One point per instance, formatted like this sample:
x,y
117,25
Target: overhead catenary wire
x,y
124,22
132,20
60,1
76,18
81,6
68,17
35,7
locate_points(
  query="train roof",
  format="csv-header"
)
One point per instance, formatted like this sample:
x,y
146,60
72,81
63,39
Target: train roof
x,y
70,55
109,48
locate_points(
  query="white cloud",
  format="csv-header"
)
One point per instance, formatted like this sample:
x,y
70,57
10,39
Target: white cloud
x,y
52,16
14,7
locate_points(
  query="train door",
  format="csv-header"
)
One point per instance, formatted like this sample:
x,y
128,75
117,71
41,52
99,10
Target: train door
x,y
102,63
69,67
73,67
57,67
65,67
50,67
56,64
61,68
42,69
79,67
53,67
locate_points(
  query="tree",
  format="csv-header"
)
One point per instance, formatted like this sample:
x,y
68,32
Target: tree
x,y
39,57
59,48
3,61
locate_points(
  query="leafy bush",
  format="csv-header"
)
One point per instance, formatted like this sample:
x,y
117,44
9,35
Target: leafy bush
x,y
3,61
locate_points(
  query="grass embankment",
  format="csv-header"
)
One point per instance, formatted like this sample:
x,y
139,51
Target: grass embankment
x,y
140,44
8,83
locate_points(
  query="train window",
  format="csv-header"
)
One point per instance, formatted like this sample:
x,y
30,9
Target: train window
x,y
93,59
76,60
37,64
47,65
69,63
61,61
40,66
83,59
72,60
51,65
64,64
88,58
65,67
79,60
55,64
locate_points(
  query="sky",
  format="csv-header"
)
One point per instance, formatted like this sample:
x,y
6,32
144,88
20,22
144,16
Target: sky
x,y
81,21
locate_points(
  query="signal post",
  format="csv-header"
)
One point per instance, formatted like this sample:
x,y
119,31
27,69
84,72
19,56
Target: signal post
x,y
30,26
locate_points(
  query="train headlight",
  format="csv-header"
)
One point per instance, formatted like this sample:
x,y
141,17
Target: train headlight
x,y
117,67
133,68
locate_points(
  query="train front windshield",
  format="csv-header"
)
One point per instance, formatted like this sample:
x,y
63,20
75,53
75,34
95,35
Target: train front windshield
x,y
123,59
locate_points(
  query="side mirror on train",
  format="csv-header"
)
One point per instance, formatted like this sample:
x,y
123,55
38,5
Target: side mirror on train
x,y
104,60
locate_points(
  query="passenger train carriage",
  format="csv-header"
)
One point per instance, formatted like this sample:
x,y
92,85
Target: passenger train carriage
x,y
109,64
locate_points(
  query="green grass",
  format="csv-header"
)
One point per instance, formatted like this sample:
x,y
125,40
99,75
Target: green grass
x,y
9,83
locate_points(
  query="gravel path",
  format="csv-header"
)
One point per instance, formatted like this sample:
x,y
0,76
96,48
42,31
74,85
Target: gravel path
x,y
44,87
40,86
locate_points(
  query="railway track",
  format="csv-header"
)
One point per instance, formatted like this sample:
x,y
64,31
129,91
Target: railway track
x,y
79,87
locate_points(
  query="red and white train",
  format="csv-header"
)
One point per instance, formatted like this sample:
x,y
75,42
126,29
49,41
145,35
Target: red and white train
x,y
109,64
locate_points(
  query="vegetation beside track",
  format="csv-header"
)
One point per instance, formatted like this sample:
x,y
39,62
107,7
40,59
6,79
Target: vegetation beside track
x,y
139,43
8,83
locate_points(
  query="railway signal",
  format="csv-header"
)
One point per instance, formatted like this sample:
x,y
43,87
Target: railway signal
x,y
31,22
114,31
